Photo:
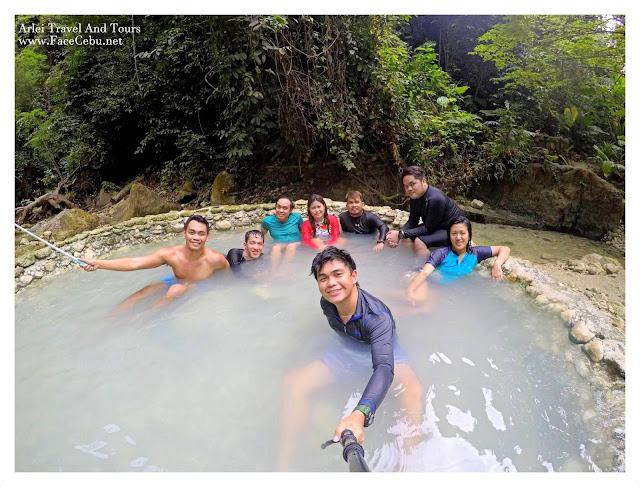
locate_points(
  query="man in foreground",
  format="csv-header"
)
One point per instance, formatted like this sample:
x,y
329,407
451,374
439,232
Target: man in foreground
x,y
429,204
353,314
357,220
191,262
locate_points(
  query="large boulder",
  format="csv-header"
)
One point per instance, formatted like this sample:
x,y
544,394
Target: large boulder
x,y
222,187
141,202
67,223
562,198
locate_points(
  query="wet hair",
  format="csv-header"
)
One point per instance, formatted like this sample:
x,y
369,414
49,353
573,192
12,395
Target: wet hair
x,y
286,198
415,171
312,199
257,233
197,218
460,219
328,254
353,194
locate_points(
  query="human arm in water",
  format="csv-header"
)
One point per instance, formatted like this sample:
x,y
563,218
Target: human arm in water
x,y
416,282
335,230
380,331
382,229
156,259
307,239
502,252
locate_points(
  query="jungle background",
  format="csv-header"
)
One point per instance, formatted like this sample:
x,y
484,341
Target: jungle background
x,y
300,104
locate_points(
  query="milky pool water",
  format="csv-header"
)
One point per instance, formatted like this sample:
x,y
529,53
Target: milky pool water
x,y
198,385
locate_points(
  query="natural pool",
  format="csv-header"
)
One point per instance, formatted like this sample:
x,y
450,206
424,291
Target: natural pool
x,y
198,385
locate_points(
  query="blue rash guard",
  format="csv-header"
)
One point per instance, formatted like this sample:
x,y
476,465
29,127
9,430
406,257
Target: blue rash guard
x,y
286,232
372,323
445,260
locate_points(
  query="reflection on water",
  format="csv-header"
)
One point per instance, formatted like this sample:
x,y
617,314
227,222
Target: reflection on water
x,y
198,385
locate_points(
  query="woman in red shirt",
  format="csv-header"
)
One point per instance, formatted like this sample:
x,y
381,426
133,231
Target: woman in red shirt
x,y
321,229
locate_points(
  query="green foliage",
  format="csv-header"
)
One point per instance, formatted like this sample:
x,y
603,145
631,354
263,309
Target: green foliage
x,y
610,158
506,153
551,62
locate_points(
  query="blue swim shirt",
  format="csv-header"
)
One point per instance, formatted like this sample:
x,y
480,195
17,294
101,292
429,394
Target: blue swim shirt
x,y
289,231
445,260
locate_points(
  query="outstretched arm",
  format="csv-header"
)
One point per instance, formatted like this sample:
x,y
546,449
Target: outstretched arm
x,y
502,252
150,261
417,280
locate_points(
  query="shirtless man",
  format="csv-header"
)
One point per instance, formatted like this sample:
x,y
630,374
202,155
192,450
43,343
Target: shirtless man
x,y
191,262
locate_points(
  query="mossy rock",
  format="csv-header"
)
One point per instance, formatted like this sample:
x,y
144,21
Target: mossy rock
x,y
141,202
68,223
221,189
25,260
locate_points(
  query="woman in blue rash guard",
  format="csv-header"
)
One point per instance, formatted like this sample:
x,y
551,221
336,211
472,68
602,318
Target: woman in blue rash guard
x,y
458,259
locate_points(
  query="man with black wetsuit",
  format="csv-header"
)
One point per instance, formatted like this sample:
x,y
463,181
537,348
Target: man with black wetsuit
x,y
253,245
368,328
429,204
357,220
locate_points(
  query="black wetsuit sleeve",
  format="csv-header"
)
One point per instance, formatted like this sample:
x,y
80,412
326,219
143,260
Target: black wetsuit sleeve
x,y
234,256
380,334
380,225
435,213
412,228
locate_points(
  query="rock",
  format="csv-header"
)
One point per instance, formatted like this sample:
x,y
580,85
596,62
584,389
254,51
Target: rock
x,y
141,202
96,244
477,204
580,333
511,277
532,291
611,268
591,259
68,223
561,198
25,260
542,299
186,193
18,271
176,228
43,253
221,189
50,266
25,279
79,246
557,307
24,241
580,267
223,225
38,274
595,269
594,350
568,315
46,234
104,198
233,208
614,354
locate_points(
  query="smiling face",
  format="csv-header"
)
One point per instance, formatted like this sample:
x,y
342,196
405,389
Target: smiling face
x,y
355,206
283,209
317,210
195,235
459,236
414,187
254,246
336,283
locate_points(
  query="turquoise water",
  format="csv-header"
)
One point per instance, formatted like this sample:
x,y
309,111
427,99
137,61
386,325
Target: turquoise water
x,y
198,385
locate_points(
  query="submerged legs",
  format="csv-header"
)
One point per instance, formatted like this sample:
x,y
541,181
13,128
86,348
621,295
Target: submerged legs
x,y
299,384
